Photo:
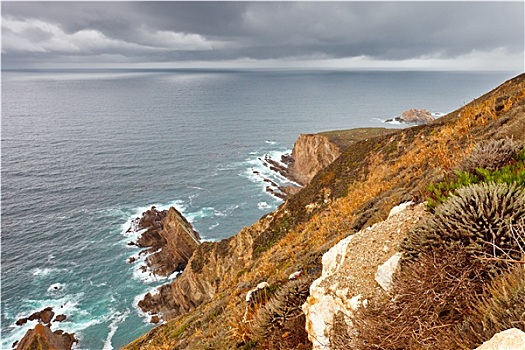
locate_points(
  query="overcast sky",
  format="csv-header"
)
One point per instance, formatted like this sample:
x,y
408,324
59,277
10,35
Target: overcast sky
x,y
380,35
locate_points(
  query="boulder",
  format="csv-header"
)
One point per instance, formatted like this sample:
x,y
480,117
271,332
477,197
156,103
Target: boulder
x,y
386,271
60,318
511,339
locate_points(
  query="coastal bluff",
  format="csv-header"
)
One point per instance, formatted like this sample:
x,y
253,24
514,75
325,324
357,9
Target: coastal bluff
x,y
313,152
206,307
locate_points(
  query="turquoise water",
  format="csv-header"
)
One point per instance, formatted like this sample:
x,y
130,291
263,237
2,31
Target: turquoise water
x,y
84,152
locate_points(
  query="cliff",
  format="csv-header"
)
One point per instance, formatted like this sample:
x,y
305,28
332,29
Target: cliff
x,y
206,304
313,152
310,154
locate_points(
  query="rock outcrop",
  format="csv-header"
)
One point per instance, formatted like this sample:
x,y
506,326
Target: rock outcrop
x,y
207,273
170,239
42,337
414,116
44,316
347,283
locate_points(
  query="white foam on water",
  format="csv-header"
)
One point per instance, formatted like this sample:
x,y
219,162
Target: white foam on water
x,y
213,226
263,205
56,288
200,214
174,275
116,318
270,142
38,271
393,122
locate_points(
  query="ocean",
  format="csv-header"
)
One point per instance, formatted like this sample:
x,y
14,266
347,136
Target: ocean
x,y
86,151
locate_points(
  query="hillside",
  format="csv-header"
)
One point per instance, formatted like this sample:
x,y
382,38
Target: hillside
x,y
206,305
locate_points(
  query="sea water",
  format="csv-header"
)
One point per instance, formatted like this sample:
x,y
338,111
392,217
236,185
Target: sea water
x,y
84,152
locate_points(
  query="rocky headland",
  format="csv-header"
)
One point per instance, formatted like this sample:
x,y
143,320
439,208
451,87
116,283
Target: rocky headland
x,y
169,239
341,227
311,153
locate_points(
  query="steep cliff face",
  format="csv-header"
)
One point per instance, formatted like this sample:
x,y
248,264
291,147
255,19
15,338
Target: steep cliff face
x,y
209,272
311,153
170,238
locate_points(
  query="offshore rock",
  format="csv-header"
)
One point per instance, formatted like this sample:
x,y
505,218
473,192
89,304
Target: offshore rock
x,y
42,337
44,316
414,116
170,238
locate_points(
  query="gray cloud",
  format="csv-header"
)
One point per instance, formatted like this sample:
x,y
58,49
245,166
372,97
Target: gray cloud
x,y
147,32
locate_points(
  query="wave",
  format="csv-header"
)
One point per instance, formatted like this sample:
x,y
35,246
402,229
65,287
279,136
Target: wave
x,y
45,271
67,305
263,206
117,318
56,289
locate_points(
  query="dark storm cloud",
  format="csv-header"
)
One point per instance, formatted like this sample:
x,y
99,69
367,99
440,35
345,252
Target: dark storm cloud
x,y
215,31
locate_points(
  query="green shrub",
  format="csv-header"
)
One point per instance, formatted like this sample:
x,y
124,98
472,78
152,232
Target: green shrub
x,y
480,217
500,161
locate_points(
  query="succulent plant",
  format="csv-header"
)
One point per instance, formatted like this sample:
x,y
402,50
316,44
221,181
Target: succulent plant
x,y
283,307
481,217
491,155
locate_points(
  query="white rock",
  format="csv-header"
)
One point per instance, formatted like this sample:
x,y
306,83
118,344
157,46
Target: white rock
x,y
511,339
294,275
262,285
400,208
386,271
355,302
326,301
